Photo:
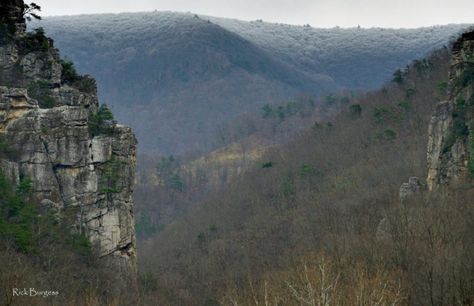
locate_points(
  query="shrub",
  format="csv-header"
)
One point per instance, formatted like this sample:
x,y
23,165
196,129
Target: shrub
x,y
422,66
36,41
44,130
389,135
281,113
398,77
382,114
267,111
30,11
316,126
79,244
17,217
307,170
110,177
467,76
69,74
145,227
405,105
443,88
287,186
409,92
460,127
267,165
41,91
330,99
355,110
101,122
86,84
201,238
175,182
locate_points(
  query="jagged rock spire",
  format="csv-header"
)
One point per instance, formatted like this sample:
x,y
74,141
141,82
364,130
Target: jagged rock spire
x,y
12,14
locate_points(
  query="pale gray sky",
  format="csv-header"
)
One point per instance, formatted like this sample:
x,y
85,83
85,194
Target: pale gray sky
x,y
318,13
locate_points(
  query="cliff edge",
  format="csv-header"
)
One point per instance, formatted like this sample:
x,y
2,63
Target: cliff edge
x,y
451,132
81,163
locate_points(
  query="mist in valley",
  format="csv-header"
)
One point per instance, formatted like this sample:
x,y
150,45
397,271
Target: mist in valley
x,y
160,156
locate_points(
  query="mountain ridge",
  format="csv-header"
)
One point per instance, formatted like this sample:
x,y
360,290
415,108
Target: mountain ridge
x,y
179,93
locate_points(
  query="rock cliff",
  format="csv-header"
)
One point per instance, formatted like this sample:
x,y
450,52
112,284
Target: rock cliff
x,y
451,132
52,131
450,152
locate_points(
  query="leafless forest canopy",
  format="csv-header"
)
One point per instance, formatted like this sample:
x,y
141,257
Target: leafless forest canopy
x,y
270,166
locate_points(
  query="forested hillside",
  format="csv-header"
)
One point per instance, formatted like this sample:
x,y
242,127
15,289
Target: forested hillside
x,y
272,172
305,223
353,58
177,77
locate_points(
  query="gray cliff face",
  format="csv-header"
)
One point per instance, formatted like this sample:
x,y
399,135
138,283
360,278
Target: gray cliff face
x,y
451,140
74,171
450,152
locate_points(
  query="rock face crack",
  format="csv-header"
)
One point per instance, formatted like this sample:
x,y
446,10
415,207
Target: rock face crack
x,y
451,133
54,149
125,250
53,169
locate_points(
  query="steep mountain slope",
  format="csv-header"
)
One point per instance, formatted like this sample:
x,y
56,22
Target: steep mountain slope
x,y
326,192
186,75
183,74
169,186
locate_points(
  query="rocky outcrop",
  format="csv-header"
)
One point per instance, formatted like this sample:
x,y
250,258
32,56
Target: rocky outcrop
x,y
79,165
409,191
451,142
411,188
450,152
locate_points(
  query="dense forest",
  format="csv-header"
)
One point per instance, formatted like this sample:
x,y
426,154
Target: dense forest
x,y
176,77
302,227
317,186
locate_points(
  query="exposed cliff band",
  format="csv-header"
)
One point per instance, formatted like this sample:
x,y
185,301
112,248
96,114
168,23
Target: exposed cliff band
x,y
451,133
79,160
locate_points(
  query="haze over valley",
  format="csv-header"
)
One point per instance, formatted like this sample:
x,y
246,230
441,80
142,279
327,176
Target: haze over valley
x,y
177,158
176,77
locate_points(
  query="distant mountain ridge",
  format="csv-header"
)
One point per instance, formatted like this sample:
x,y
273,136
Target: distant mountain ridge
x,y
330,51
176,77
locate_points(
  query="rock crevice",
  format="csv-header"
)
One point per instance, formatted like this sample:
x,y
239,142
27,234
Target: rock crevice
x,y
451,134
46,118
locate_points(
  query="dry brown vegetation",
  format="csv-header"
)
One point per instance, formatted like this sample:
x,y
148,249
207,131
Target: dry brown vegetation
x,y
168,186
319,281
316,222
424,259
79,280
320,201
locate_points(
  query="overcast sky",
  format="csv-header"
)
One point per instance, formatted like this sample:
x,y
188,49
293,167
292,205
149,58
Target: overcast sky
x,y
318,13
